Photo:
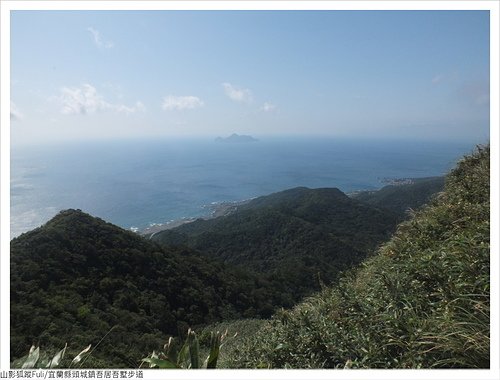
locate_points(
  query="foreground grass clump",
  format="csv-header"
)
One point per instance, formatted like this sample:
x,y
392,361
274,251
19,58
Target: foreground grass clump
x,y
189,356
239,331
46,359
422,302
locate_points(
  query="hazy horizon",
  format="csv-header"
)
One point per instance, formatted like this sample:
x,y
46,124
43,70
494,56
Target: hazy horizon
x,y
94,75
137,182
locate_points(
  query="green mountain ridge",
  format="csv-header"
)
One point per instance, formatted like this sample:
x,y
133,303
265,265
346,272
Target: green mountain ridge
x,y
292,236
81,280
422,302
400,198
77,277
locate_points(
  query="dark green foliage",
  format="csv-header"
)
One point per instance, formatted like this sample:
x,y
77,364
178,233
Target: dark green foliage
x,y
77,278
422,302
400,198
296,238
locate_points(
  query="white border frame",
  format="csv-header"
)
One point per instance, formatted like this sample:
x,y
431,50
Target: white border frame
x,y
493,6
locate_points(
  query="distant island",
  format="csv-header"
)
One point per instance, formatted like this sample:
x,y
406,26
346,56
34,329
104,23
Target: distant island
x,y
235,138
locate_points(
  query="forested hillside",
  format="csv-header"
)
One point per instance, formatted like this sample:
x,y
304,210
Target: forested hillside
x,y
81,281
422,302
77,278
292,236
400,198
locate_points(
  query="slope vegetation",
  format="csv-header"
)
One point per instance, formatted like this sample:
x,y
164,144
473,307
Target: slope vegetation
x,y
423,301
292,236
400,198
78,278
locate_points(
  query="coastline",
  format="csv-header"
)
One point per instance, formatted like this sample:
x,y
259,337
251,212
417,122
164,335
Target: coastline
x,y
224,208
215,210
157,227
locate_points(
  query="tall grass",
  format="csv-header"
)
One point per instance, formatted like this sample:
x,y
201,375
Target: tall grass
x,y
422,302
189,355
44,360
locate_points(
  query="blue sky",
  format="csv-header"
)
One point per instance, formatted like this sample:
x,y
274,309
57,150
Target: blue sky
x,y
379,74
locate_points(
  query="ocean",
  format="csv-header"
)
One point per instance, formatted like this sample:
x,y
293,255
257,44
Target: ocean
x,y
139,183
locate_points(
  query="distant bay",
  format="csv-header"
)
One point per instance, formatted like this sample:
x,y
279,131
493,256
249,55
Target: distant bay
x,y
135,184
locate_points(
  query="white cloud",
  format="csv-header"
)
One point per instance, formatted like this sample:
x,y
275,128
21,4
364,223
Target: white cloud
x,y
242,95
15,114
85,100
268,107
138,107
180,103
81,100
98,39
437,79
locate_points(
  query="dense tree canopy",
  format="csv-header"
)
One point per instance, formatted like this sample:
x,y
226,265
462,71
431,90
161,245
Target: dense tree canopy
x,y
80,280
76,277
293,237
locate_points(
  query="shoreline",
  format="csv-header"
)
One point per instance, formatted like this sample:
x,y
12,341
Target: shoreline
x,y
215,210
224,208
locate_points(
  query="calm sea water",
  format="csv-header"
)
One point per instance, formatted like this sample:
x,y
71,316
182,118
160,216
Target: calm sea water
x,y
136,183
